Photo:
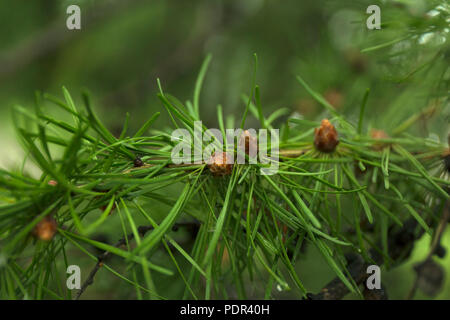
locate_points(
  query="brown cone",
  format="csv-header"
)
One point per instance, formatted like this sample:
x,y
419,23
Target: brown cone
x,y
45,229
326,137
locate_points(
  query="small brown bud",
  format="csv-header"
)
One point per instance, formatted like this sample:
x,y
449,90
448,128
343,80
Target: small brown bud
x,y
45,229
379,135
138,162
250,142
326,137
219,163
53,183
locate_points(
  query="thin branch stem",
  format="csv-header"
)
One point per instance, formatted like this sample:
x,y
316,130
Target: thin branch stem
x,y
142,230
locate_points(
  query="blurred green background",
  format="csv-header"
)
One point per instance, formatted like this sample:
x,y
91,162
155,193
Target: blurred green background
x,y
124,46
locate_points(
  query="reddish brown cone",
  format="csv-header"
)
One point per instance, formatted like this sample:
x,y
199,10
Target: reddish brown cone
x,y
249,140
45,229
326,137
219,164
